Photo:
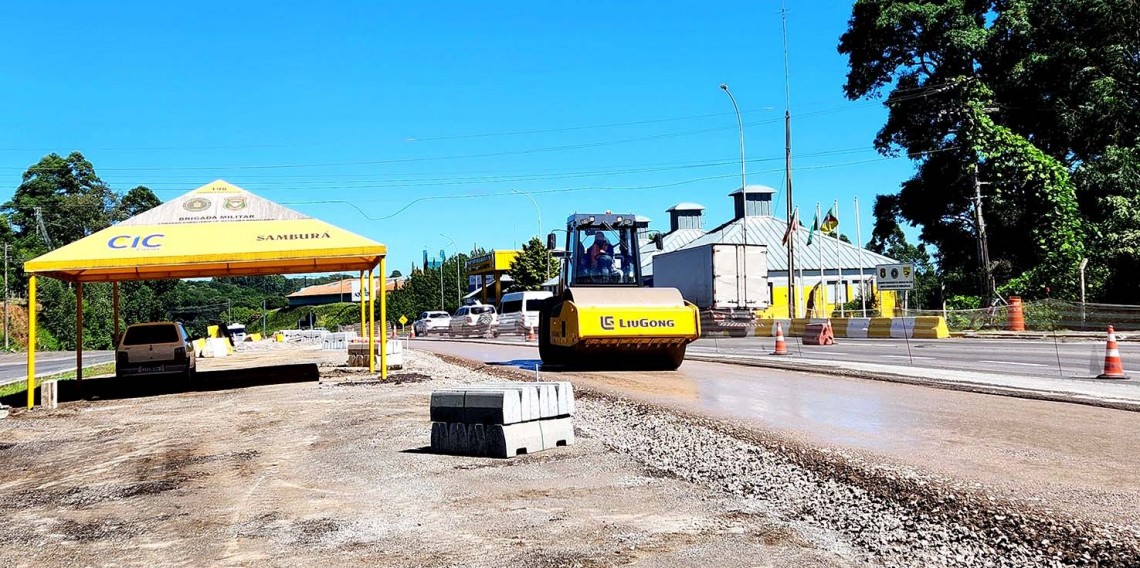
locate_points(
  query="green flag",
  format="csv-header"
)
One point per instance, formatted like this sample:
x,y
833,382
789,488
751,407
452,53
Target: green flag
x,y
814,227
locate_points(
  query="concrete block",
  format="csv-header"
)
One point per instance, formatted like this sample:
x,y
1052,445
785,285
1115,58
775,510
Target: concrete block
x,y
439,437
858,327
501,441
49,394
565,397
556,433
547,400
902,328
528,392
513,440
477,406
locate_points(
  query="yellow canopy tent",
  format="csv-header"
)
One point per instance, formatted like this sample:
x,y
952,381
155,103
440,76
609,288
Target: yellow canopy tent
x,y
216,230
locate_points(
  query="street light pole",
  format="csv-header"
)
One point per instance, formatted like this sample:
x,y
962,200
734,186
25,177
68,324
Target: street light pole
x,y
458,288
743,193
538,211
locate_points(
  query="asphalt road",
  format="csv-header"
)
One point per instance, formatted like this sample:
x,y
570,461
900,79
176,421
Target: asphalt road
x,y
1005,356
1074,457
13,366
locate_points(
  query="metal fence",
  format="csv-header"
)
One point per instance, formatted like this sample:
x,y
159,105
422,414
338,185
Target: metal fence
x,y
1045,315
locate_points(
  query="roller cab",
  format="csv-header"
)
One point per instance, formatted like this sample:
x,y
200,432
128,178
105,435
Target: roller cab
x,y
602,315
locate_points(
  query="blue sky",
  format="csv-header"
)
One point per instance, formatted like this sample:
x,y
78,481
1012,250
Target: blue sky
x,y
585,105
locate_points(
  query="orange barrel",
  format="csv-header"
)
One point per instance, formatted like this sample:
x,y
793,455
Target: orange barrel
x,y
1016,316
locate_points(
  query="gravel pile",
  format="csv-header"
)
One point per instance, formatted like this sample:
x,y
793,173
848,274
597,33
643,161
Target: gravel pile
x,y
895,517
876,513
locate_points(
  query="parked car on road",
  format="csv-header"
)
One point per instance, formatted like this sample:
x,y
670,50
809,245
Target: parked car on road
x,y
518,312
159,348
478,319
431,322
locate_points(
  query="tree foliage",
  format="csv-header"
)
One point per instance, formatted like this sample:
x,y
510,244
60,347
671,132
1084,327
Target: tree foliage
x,y
533,266
1020,93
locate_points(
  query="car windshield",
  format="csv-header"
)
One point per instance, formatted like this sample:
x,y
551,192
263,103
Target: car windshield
x,y
481,309
148,334
534,305
604,256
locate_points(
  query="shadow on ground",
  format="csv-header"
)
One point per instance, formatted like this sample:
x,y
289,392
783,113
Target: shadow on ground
x,y
109,388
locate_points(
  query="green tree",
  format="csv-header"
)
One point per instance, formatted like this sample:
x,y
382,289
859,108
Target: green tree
x,y
533,266
71,199
937,58
1111,192
137,200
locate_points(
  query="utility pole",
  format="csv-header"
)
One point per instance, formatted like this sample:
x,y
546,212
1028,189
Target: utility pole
x,y
793,303
983,241
6,295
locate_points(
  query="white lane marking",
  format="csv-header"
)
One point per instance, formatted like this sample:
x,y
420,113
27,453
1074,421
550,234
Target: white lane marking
x,y
905,357
1016,363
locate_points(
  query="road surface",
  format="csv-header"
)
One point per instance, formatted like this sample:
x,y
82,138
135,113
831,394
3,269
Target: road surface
x,y
14,366
1006,356
1077,458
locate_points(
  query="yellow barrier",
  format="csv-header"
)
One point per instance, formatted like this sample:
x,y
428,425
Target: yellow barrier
x,y
212,332
880,327
931,327
254,337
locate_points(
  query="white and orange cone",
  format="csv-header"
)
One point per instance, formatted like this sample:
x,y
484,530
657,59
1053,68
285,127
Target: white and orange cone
x,y
1113,366
531,335
781,347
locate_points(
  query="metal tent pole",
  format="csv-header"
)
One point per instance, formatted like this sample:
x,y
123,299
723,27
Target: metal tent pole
x,y
371,322
79,332
384,321
31,340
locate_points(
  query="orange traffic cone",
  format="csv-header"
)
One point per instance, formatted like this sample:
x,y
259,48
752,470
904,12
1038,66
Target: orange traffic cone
x,y
531,335
1113,367
393,336
781,347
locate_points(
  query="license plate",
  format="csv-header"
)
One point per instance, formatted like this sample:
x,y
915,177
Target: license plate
x,y
151,369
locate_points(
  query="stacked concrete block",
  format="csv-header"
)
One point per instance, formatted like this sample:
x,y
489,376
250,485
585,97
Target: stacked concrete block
x,y
358,353
337,341
502,420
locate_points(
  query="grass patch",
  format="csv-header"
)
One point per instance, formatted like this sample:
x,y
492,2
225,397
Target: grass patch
x,y
91,370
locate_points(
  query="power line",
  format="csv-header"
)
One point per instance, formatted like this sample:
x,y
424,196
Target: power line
x,y
354,203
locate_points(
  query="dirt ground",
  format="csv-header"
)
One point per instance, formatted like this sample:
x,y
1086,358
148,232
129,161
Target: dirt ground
x,y
336,473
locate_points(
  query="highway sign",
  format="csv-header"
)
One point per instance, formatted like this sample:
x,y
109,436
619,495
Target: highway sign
x,y
894,276
403,320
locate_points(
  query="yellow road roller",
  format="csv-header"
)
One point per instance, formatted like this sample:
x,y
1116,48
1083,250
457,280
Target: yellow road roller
x,y
602,315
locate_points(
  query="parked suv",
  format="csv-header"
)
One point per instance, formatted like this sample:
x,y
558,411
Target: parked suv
x,y
519,312
160,348
473,320
431,322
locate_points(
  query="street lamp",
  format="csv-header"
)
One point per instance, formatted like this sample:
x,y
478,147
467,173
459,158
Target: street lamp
x,y
458,289
743,192
538,211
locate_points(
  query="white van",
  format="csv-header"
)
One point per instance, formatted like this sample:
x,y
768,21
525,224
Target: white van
x,y
518,311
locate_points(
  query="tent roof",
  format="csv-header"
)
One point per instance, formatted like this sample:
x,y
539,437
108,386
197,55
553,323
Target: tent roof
x,y
216,230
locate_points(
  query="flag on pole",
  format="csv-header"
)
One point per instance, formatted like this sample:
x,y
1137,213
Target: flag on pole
x,y
814,227
830,221
793,226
